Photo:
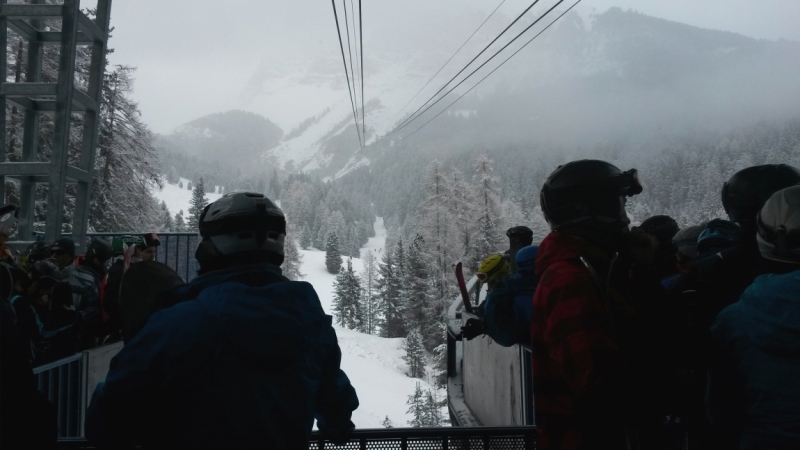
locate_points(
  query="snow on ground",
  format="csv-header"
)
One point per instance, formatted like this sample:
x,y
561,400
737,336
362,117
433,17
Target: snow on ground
x,y
177,198
374,364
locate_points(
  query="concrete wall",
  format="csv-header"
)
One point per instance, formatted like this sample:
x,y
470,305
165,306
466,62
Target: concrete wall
x,y
493,384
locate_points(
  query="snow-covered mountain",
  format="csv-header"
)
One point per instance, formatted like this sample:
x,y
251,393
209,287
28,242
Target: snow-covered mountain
x,y
618,73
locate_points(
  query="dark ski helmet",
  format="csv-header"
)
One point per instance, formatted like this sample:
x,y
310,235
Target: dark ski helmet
x,y
779,226
747,190
526,260
718,235
245,226
588,190
99,249
663,228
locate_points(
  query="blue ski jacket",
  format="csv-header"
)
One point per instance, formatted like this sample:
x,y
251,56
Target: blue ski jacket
x,y
753,389
508,310
244,358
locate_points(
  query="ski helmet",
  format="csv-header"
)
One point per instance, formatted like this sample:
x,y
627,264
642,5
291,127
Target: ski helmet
x,y
44,269
747,190
8,220
588,190
122,243
663,228
718,234
245,224
526,260
779,226
493,269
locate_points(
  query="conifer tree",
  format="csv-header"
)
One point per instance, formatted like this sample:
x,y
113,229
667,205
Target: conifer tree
x,y
415,354
347,298
432,414
416,407
179,224
189,185
369,278
333,256
387,423
167,223
306,238
390,291
196,205
292,259
180,184
172,176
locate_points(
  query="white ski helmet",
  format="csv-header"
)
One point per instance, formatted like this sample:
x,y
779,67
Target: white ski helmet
x,y
779,226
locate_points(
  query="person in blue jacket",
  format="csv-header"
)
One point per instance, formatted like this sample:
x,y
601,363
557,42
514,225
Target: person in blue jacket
x,y
507,309
753,391
243,358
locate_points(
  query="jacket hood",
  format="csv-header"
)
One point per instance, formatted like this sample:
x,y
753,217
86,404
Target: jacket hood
x,y
562,246
773,306
258,314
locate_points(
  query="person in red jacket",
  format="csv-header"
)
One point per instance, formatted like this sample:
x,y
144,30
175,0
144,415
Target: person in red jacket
x,y
588,351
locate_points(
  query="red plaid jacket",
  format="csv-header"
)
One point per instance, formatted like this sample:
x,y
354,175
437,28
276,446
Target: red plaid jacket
x,y
581,377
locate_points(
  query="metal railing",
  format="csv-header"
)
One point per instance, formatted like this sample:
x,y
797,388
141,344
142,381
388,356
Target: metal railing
x,y
69,384
446,438
487,384
176,250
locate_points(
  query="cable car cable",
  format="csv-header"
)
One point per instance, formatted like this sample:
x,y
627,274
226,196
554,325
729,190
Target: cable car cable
x,y
487,76
349,52
361,43
479,68
450,59
344,61
465,67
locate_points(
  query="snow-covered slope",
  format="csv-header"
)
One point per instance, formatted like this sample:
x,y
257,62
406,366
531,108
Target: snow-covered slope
x,y
177,198
374,365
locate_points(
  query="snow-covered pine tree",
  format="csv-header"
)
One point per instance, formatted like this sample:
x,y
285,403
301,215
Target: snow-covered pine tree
x,y
486,201
370,297
274,185
189,185
180,184
333,256
347,298
390,288
179,224
387,423
306,238
416,407
127,163
292,259
417,299
196,205
432,414
434,224
415,354
167,223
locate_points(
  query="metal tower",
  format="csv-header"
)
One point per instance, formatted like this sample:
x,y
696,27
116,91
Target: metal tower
x,y
62,99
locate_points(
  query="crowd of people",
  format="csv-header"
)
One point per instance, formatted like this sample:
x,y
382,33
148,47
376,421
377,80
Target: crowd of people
x,y
653,336
63,303
643,337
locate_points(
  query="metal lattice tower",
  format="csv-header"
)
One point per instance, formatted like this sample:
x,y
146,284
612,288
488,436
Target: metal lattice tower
x,y
61,98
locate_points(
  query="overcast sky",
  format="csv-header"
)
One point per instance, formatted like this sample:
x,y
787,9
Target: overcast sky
x,y
194,57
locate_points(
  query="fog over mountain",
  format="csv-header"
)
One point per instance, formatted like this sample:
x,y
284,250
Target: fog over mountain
x,y
619,76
